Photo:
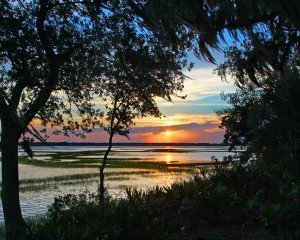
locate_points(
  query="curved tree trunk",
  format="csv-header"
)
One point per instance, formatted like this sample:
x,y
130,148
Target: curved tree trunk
x,y
102,167
15,225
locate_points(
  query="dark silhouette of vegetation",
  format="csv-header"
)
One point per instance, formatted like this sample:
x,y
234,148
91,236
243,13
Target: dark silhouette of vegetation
x,y
125,108
53,59
135,76
253,195
264,113
44,55
237,199
54,54
212,21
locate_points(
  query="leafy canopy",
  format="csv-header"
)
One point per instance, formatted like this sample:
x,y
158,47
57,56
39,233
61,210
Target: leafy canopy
x,y
56,57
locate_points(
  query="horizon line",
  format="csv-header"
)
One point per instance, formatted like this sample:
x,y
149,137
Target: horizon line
x,y
129,143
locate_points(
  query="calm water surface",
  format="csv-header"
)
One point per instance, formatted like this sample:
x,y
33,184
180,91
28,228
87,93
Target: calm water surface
x,y
36,202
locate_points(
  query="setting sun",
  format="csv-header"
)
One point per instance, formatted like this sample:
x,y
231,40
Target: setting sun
x,y
168,133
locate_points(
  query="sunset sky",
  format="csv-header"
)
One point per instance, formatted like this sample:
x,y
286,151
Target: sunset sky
x,y
190,120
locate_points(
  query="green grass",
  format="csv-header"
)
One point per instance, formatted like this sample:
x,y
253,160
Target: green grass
x,y
142,166
85,159
78,163
58,178
49,186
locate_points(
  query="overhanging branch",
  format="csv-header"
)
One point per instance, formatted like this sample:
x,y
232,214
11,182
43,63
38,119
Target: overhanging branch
x,y
54,63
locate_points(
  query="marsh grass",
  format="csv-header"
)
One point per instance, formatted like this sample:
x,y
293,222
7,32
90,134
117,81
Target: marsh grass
x,y
57,184
141,167
77,177
27,185
84,159
56,162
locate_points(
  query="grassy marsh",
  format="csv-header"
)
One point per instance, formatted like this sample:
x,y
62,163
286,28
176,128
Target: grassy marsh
x,y
141,166
27,185
85,159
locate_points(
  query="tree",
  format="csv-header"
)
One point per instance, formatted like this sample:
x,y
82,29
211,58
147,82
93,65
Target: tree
x,y
138,72
46,51
53,54
52,51
265,67
214,22
125,107
263,115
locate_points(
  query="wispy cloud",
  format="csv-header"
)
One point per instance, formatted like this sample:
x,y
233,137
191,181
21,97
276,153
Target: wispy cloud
x,y
190,120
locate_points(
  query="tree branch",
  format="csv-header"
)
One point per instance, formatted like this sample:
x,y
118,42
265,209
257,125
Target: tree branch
x,y
16,93
42,15
246,22
54,63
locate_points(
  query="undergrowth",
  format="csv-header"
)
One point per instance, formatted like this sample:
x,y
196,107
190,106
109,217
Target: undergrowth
x,y
231,202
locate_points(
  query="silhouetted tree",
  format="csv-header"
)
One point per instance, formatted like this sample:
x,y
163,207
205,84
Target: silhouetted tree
x,y
265,67
126,105
215,22
264,114
53,56
48,54
52,51
138,72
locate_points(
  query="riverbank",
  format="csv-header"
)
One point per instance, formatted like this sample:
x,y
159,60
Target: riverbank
x,y
235,202
61,170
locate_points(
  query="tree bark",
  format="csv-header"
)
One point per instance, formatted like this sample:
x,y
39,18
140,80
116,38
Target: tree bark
x,y
102,167
15,225
111,135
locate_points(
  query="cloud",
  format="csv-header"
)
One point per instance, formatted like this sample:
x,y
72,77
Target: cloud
x,y
203,90
177,119
174,128
191,120
190,132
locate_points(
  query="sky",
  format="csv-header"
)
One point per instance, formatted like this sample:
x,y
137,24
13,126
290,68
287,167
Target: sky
x,y
192,120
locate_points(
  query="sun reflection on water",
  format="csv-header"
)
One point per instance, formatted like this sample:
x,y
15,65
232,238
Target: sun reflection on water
x,y
168,158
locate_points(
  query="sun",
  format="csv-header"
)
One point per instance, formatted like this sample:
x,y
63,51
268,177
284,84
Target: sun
x,y
168,133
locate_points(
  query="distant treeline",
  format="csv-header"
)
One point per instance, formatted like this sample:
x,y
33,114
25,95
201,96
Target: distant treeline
x,y
124,144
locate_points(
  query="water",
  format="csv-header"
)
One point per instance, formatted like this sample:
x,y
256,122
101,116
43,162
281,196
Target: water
x,y
36,202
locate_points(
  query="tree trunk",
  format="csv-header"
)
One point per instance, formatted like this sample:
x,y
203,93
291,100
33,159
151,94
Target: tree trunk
x,y
102,167
15,225
101,185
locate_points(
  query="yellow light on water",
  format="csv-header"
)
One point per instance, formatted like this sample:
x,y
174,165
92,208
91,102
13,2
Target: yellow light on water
x,y
168,158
